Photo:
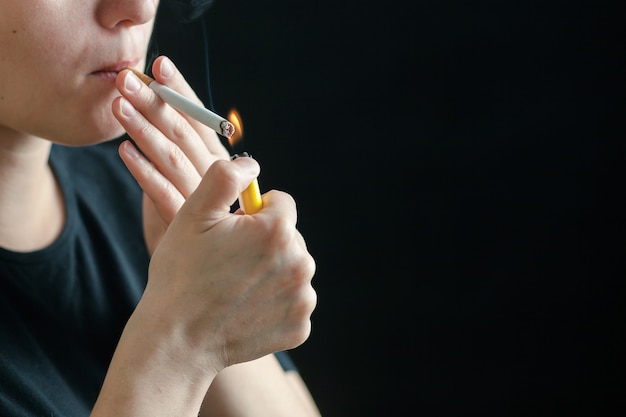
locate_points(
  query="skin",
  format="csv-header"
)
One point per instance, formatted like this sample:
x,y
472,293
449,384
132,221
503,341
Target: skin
x,y
61,82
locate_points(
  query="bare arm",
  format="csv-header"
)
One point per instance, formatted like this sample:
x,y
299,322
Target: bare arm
x,y
258,388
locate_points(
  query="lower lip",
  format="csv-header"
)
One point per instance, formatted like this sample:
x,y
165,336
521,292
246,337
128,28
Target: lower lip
x,y
105,75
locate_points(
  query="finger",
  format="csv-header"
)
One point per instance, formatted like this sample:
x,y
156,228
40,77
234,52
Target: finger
x,y
220,188
167,199
166,73
167,158
174,127
279,204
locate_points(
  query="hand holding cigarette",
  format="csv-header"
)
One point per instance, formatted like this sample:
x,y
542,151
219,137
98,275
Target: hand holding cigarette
x,y
182,103
250,200
176,150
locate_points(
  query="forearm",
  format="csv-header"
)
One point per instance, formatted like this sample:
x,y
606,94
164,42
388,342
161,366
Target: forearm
x,y
256,389
153,373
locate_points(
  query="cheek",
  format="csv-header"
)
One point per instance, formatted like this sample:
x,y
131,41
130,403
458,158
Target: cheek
x,y
39,93
28,55
18,97
44,35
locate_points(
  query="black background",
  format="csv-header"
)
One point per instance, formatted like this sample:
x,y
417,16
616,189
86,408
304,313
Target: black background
x,y
458,168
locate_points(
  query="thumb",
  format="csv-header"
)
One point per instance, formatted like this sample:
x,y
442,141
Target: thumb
x,y
220,188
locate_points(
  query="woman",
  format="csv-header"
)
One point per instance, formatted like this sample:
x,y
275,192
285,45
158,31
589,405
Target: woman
x,y
96,317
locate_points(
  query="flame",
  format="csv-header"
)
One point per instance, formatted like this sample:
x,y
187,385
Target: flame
x,y
235,119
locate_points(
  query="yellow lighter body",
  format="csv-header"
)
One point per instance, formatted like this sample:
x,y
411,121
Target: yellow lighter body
x,y
250,199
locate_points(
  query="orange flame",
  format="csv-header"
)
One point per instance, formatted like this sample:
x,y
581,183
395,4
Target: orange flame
x,y
235,119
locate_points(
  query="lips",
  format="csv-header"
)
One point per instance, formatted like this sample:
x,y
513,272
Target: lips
x,y
110,71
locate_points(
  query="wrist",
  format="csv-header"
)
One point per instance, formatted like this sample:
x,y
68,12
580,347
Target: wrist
x,y
155,370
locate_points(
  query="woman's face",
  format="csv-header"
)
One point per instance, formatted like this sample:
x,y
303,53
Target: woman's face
x,y
58,62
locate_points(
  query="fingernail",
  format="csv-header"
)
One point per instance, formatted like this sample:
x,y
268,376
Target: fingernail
x,y
247,164
131,150
131,82
167,68
127,109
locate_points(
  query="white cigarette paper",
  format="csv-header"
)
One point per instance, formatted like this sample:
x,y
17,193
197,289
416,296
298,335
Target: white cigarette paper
x,y
184,105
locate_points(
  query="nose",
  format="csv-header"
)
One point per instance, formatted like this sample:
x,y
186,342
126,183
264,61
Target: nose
x,y
115,13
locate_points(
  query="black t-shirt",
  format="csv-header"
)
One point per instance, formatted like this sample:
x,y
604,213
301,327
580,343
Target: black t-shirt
x,y
63,308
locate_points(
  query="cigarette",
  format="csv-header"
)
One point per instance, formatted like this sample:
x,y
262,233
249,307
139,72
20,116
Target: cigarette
x,y
184,105
250,200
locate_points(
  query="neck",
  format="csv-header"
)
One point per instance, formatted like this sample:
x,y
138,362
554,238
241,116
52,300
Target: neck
x,y
32,212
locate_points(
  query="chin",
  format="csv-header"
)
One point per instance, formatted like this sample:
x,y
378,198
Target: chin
x,y
115,134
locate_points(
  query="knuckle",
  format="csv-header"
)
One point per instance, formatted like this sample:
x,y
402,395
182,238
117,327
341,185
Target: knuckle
x,y
300,333
281,233
301,271
309,302
145,129
221,168
225,172
307,268
152,99
164,192
286,198
176,157
290,199
181,131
